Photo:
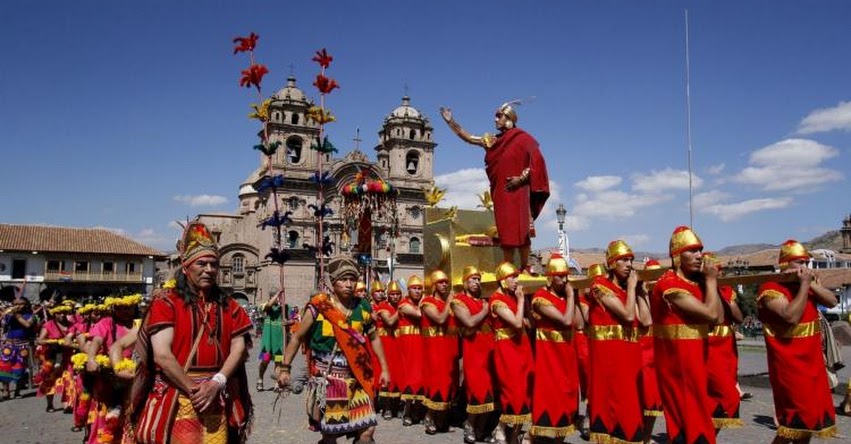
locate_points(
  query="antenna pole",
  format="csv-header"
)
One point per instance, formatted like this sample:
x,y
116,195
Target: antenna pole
x,y
688,119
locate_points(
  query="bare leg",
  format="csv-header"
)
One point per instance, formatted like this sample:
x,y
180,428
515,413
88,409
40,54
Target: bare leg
x,y
261,371
366,435
508,254
524,256
649,422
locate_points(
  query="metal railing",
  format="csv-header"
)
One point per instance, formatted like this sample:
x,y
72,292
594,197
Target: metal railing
x,y
107,276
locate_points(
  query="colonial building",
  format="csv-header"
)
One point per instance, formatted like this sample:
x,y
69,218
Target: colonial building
x,y
405,160
75,262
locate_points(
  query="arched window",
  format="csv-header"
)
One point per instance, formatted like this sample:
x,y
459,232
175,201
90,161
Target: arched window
x,y
292,239
412,162
238,264
293,203
295,119
414,246
294,145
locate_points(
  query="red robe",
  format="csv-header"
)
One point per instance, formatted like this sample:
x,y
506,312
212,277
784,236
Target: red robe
x,y
477,356
651,401
514,211
614,396
681,352
388,343
228,322
513,363
580,342
409,345
722,370
802,400
555,400
440,344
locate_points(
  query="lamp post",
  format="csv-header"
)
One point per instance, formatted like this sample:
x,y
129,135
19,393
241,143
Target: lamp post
x,y
563,246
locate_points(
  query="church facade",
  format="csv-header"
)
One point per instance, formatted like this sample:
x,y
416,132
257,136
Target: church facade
x,y
404,159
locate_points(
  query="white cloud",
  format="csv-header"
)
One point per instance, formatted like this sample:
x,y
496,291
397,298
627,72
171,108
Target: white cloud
x,y
827,119
615,204
201,200
729,212
790,164
118,231
717,169
599,183
463,187
709,198
635,240
667,179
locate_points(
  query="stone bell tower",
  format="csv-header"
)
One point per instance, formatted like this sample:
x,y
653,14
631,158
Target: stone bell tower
x,y
846,235
405,148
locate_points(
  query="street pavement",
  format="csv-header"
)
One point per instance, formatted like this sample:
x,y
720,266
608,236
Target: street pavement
x,y
24,420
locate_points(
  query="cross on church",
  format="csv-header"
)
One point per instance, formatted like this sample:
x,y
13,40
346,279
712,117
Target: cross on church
x,y
292,69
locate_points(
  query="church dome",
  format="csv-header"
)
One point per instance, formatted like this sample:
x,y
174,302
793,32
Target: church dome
x,y
246,189
290,93
405,110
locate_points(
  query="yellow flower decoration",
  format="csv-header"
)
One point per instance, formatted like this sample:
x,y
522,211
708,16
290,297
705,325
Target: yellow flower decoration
x,y
128,300
171,283
103,361
261,112
125,364
60,309
86,308
54,341
320,115
79,361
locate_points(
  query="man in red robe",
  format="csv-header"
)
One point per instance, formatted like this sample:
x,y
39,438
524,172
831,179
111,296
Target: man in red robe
x,y
191,385
519,184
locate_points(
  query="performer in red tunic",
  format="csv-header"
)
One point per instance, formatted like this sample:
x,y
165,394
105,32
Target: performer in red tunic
x,y
512,352
582,347
519,184
650,399
440,344
378,299
471,313
190,384
613,392
802,401
388,315
723,362
683,304
409,343
555,400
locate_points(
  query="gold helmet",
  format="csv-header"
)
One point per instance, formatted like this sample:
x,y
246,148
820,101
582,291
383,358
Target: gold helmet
x,y
683,239
438,276
415,281
792,250
394,287
377,286
596,270
652,264
360,286
507,110
617,249
470,271
557,266
506,270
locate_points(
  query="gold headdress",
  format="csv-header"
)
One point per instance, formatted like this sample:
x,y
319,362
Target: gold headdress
x,y
792,250
377,286
394,287
415,281
505,270
596,270
617,249
470,271
557,266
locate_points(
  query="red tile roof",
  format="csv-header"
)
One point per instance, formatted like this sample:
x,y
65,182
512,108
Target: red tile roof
x,y
70,240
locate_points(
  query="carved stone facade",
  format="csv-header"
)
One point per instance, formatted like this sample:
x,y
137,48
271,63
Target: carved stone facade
x,y
405,159
846,235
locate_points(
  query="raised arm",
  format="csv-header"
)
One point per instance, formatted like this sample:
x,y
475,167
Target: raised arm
x,y
484,142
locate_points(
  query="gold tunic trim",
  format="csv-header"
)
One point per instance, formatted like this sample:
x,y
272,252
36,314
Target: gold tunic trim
x,y
603,438
552,432
515,419
553,335
681,331
790,433
612,332
480,408
505,333
770,294
721,331
803,330
408,330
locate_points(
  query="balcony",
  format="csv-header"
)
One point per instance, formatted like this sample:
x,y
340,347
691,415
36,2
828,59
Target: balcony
x,y
72,276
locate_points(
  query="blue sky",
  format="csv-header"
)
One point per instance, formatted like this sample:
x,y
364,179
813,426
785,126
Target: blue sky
x,y
125,114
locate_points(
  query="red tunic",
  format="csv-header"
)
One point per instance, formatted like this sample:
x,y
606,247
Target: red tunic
x,y
226,322
802,400
388,343
513,363
477,356
409,347
555,400
681,351
614,398
722,370
440,343
580,342
514,151
651,401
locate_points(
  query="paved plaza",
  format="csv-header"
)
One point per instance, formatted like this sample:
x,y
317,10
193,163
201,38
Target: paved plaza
x,y
23,421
